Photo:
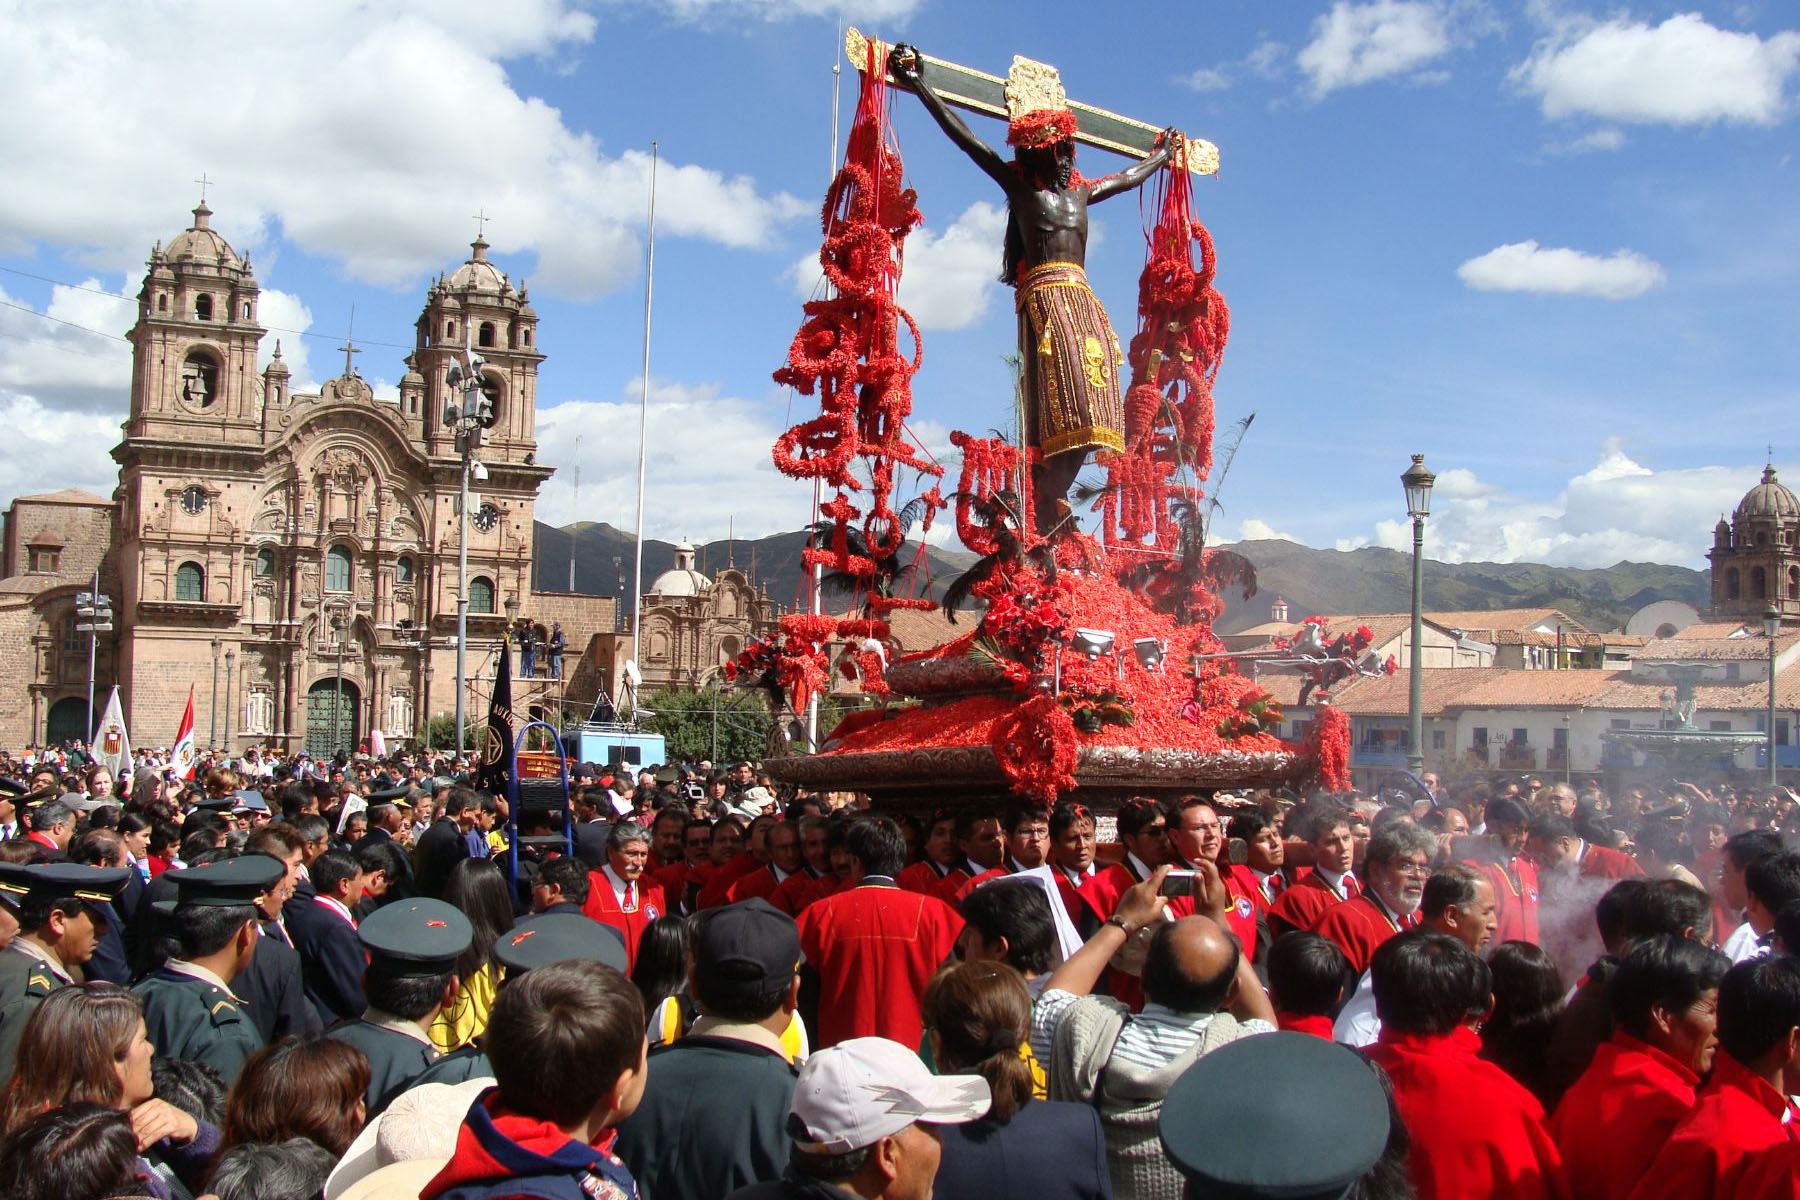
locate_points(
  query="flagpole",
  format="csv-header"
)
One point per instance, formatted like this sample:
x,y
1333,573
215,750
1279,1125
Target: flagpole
x,y
637,574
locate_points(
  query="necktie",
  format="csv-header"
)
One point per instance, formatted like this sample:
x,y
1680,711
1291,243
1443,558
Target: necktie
x,y
631,897
1351,890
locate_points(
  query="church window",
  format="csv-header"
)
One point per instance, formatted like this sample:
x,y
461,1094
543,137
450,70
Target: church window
x,y
403,570
337,569
481,595
162,303
45,561
485,336
525,336
199,379
190,583
1759,582
74,642
1762,537
1731,584
246,310
1793,583
265,563
203,307
450,329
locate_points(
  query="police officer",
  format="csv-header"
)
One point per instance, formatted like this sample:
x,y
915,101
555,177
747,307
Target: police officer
x,y
58,907
413,946
190,1011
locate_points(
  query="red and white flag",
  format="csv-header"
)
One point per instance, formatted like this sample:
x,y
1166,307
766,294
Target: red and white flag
x,y
182,758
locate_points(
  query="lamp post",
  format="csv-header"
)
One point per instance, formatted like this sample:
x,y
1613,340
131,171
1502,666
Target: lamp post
x,y
467,419
1568,748
230,661
337,718
1417,481
1772,631
212,720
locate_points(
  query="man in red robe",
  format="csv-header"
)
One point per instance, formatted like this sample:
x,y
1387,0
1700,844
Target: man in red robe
x,y
873,945
620,894
1514,877
784,862
940,872
1027,846
1331,881
1742,1115
1640,1085
1397,866
814,877
754,855
1475,1131
694,868
1083,885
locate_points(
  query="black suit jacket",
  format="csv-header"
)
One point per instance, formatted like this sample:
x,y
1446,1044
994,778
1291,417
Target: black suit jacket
x,y
440,848
274,990
590,842
1050,1150
331,957
403,888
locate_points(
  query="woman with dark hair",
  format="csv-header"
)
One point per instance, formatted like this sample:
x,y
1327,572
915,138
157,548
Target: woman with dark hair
x,y
1528,997
478,889
660,973
295,1088
164,847
86,1044
134,831
978,1020
81,1151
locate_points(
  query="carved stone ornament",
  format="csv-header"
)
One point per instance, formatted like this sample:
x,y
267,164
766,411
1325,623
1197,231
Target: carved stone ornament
x,y
1033,86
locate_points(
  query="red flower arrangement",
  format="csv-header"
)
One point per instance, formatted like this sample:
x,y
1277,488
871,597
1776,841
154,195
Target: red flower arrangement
x,y
1037,747
1331,732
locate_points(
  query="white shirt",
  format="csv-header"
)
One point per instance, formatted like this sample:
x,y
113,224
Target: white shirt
x,y
1742,944
1335,881
1357,1024
619,886
1140,870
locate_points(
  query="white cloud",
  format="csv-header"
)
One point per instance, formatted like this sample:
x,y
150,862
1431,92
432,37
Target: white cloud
x,y
360,165
45,357
1618,510
950,278
870,12
1209,79
1529,267
1682,72
1253,529
287,318
1595,140
1360,43
1264,61
47,449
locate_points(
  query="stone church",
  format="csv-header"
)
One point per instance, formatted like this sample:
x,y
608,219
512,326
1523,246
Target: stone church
x,y
1755,555
291,556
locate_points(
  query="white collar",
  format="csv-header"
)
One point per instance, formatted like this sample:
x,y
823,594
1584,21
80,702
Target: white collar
x,y
336,906
618,885
196,971
1335,880
1076,878
1137,866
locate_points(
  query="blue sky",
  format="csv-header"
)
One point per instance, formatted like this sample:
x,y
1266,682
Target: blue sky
x,y
1554,247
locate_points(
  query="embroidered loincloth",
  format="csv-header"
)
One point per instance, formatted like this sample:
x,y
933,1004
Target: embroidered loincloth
x,y
1071,367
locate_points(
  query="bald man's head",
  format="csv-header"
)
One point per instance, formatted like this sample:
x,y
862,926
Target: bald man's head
x,y
1191,965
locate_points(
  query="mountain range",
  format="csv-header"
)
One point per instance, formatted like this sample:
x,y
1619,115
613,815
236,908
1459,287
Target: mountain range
x,y
1369,580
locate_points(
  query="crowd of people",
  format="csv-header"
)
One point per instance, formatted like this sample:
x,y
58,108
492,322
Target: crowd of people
x,y
289,978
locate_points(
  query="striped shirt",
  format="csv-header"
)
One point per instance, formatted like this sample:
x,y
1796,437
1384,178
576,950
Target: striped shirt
x,y
1149,1039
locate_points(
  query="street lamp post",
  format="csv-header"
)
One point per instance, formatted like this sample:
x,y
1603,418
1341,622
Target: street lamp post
x,y
212,720
1772,631
337,721
467,418
1568,748
1417,481
230,661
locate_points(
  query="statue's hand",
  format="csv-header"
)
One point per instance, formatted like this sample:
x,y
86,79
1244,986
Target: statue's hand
x,y
1168,139
904,63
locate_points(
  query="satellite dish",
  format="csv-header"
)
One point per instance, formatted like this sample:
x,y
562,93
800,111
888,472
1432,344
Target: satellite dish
x,y
632,675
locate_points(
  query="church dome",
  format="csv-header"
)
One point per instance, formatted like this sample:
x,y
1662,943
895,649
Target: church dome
x,y
1768,499
681,579
478,274
200,244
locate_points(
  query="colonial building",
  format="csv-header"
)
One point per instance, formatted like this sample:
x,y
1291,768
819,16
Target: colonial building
x,y
308,541
1756,555
693,625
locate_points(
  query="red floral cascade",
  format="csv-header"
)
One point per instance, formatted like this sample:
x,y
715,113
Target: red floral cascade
x,y
1332,730
847,350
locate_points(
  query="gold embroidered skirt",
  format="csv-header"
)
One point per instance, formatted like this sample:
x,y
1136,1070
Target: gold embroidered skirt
x,y
1071,363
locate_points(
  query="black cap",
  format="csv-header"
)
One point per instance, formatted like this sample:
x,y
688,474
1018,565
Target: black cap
x,y
751,942
12,787
217,803
560,937
1320,1114
225,884
53,881
416,937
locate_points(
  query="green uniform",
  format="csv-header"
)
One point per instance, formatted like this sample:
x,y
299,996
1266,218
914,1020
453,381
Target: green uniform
x,y
396,1058
24,982
458,1066
195,1019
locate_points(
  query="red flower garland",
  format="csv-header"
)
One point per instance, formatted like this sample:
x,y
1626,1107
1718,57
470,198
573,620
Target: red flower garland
x,y
1037,747
1331,732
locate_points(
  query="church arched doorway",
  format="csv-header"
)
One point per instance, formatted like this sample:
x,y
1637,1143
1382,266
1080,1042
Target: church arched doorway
x,y
67,721
331,718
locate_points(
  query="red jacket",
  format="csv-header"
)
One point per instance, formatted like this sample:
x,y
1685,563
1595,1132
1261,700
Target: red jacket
x,y
760,883
1304,904
875,947
1615,1118
1358,927
718,884
1736,1120
1313,1026
800,889
1603,862
1475,1132
1516,895
603,906
928,879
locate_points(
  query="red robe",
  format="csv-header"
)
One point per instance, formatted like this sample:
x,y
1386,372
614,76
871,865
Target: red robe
x,y
928,879
1475,1131
675,879
1314,1026
800,889
1303,905
1735,1122
760,883
603,906
1603,862
1090,902
1358,927
1610,1124
875,947
970,885
718,885
1516,895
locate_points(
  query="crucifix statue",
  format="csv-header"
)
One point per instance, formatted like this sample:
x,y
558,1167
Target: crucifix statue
x,y
1069,352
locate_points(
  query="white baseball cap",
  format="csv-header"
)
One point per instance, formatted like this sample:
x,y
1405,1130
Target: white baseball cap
x,y
857,1092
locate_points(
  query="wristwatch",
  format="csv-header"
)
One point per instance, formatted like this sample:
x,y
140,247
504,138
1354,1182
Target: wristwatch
x,y
1116,919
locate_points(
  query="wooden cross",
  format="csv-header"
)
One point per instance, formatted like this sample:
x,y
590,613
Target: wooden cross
x,y
349,347
977,91
203,181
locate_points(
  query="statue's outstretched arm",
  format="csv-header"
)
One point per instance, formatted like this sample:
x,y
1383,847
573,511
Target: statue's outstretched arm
x,y
907,65
1134,175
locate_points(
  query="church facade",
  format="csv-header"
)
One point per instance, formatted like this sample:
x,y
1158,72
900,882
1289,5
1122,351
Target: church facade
x,y
299,547
1755,555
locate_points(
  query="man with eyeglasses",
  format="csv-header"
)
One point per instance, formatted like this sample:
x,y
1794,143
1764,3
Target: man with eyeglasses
x,y
1398,865
1197,835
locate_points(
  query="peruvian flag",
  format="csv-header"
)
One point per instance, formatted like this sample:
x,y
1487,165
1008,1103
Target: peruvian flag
x,y
182,758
